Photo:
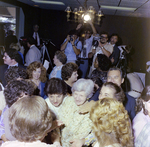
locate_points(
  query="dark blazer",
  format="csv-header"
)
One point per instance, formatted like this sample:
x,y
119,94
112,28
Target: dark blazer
x,y
129,104
115,54
3,69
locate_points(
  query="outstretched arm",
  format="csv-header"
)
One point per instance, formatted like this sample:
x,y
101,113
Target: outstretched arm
x,y
63,46
93,28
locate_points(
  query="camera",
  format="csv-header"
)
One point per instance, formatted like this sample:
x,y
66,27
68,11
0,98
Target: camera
x,y
95,42
71,37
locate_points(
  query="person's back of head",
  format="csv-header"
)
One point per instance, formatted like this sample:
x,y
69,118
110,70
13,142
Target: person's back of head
x,y
16,89
61,56
104,62
67,70
15,72
30,119
31,41
111,123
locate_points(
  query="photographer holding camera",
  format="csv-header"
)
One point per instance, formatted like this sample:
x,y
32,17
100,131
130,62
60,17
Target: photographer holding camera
x,y
100,46
72,46
87,44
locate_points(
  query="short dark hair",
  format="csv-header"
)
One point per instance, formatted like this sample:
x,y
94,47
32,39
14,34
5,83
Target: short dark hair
x,y
114,34
73,32
104,62
14,90
31,40
61,57
67,70
116,68
55,86
104,32
13,54
15,72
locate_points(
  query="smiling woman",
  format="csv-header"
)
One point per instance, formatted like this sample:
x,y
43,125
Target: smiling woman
x,y
77,126
37,74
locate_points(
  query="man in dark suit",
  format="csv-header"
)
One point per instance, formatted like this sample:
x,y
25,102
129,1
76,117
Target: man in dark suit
x,y
114,75
11,58
114,57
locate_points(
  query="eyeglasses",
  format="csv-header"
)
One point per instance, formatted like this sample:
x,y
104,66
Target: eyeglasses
x,y
103,37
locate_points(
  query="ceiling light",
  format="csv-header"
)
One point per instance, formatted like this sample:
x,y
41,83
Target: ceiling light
x,y
49,2
84,14
118,8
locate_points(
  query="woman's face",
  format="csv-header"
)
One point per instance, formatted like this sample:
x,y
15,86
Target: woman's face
x,y
74,77
36,74
56,99
55,59
79,97
106,92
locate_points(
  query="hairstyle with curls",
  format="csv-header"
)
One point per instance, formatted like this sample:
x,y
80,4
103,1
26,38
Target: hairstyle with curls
x,y
145,96
61,57
55,86
67,70
119,93
15,72
116,68
30,119
33,66
111,123
85,85
104,62
14,90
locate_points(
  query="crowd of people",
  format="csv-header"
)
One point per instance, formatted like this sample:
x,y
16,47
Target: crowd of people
x,y
81,102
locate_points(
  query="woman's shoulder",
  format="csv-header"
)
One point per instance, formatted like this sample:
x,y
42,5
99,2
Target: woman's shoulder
x,y
140,117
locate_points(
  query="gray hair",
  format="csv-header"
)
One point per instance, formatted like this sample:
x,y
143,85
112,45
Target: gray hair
x,y
85,85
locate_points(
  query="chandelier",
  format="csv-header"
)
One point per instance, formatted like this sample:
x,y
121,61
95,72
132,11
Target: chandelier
x,y
84,14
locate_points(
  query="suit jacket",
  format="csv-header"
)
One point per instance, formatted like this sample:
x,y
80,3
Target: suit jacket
x,y
115,54
3,69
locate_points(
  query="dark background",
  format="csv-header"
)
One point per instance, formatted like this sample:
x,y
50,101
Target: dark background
x,y
53,25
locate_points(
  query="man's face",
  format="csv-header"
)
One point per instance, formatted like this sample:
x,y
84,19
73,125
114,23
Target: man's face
x,y
104,38
113,40
56,99
7,59
36,28
75,37
114,76
55,60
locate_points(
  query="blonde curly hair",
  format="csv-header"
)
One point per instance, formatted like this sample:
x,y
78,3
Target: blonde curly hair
x,y
33,66
111,123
